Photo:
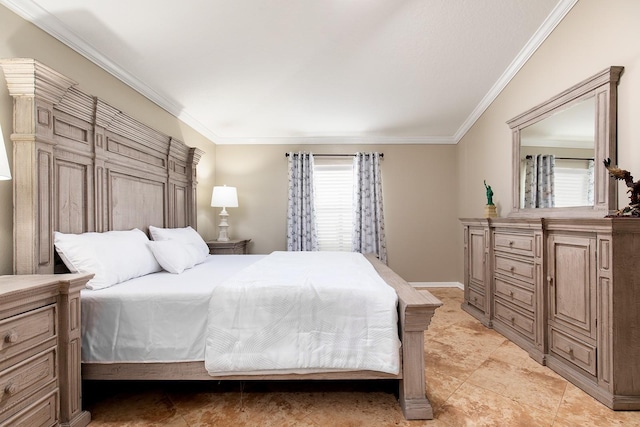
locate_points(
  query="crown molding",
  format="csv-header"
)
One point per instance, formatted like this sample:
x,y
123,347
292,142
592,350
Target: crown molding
x,y
337,139
33,13
529,49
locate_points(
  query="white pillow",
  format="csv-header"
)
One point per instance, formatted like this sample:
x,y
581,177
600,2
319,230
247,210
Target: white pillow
x,y
185,235
113,256
175,256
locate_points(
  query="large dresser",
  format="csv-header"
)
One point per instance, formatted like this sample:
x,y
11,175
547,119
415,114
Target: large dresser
x,y
565,290
40,350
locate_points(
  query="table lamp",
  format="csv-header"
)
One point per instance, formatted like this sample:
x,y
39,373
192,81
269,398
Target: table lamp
x,y
224,197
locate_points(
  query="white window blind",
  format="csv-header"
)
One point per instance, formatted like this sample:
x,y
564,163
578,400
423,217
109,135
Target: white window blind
x,y
571,186
334,205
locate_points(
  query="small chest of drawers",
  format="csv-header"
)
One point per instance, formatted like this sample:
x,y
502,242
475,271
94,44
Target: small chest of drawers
x,y
28,353
38,327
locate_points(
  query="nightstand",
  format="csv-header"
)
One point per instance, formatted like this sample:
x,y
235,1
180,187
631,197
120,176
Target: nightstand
x,y
40,350
236,247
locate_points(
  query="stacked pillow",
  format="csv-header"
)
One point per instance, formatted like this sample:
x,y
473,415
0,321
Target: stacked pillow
x,y
177,249
117,256
112,256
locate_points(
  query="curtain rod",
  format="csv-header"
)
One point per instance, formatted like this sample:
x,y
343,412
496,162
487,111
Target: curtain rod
x,y
529,156
333,155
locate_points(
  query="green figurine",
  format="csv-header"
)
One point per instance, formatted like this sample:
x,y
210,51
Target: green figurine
x,y
489,194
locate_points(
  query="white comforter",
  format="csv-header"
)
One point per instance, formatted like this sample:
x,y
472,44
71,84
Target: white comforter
x,y
160,317
303,311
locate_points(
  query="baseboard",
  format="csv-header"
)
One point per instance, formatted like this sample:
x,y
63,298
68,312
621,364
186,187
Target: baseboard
x,y
427,285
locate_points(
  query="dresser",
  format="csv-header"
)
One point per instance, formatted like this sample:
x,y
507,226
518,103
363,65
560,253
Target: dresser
x,y
231,247
40,350
565,290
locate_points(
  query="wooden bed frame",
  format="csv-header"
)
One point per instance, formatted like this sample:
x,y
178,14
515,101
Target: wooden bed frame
x,y
82,165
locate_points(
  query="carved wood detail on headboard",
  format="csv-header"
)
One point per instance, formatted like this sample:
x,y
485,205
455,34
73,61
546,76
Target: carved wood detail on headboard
x,y
81,165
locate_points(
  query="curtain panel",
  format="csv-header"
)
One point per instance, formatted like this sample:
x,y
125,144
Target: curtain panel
x,y
301,220
590,181
539,181
368,216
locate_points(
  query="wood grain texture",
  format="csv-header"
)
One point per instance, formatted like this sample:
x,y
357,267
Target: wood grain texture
x,y
82,165
40,351
602,86
585,319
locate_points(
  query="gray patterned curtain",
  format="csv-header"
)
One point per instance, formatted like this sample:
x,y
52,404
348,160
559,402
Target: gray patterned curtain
x,y
530,181
590,183
368,217
546,167
301,218
539,182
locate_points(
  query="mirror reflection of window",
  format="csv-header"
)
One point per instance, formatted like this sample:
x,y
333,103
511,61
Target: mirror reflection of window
x,y
574,182
569,137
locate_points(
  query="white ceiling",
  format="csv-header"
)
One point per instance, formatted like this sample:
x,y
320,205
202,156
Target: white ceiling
x,y
309,71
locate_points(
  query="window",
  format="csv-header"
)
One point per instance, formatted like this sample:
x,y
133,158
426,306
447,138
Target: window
x,y
333,183
571,183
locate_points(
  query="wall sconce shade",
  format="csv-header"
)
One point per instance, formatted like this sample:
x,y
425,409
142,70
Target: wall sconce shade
x,y
5,171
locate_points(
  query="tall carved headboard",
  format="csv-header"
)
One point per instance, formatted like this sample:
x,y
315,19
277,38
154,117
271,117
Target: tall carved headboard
x,y
82,165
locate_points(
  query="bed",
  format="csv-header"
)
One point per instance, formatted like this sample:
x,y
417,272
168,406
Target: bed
x,y
81,165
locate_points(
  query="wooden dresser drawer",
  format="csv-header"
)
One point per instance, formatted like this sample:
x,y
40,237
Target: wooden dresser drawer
x,y
24,379
521,244
27,330
512,318
42,413
515,268
515,294
476,299
569,348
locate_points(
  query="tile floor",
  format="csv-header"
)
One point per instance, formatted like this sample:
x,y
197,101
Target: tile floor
x,y
475,377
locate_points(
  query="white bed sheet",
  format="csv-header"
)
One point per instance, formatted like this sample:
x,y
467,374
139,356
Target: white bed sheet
x,y
301,311
160,317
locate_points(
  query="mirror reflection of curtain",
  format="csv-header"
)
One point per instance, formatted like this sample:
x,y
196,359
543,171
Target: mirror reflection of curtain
x,y
590,183
539,181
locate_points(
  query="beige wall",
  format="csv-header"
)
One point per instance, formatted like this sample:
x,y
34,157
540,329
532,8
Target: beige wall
x,y
594,35
419,187
426,188
20,38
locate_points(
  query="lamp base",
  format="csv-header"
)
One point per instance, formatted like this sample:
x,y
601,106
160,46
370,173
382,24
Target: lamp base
x,y
223,235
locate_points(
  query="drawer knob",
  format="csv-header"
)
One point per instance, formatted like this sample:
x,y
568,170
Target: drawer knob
x,y
570,351
512,269
510,242
511,294
10,389
550,280
513,320
11,337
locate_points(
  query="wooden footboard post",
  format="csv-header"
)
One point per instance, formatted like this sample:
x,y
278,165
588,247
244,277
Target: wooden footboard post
x,y
414,320
415,310
69,350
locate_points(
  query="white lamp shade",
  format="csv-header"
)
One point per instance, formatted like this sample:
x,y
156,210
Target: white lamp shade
x,y
5,172
224,197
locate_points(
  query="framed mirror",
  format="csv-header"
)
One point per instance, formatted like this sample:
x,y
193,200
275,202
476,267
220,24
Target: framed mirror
x,y
558,152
